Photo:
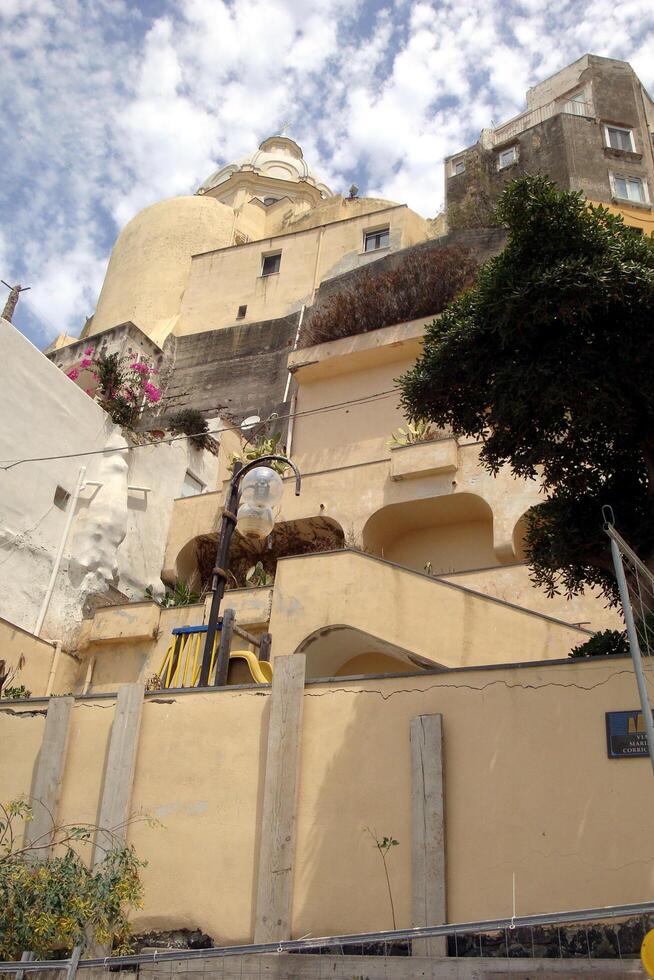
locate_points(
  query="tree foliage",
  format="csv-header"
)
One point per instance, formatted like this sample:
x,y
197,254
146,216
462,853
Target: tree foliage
x,y
549,360
53,903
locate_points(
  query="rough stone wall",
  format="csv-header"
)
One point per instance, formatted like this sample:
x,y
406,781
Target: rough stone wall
x,y
125,338
568,148
233,372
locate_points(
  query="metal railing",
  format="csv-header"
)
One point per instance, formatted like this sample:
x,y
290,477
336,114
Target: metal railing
x,y
352,942
517,125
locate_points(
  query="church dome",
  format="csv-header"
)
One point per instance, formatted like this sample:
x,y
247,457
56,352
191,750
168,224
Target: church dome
x,y
278,157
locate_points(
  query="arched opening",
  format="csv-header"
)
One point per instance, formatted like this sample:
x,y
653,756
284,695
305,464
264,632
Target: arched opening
x,y
519,533
196,560
439,535
343,651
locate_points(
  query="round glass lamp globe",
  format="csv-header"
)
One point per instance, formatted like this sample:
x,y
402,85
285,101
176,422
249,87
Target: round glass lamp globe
x,y
261,492
263,485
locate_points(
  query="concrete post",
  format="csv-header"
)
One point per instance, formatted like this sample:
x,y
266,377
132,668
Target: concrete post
x,y
277,846
427,831
48,774
121,761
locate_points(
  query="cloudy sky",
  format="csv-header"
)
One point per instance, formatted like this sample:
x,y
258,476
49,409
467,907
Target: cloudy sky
x,y
108,106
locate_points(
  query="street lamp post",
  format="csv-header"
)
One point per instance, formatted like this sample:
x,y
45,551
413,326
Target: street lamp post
x,y
260,492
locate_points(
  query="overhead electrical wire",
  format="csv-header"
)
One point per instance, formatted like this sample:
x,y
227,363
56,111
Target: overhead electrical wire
x,y
210,432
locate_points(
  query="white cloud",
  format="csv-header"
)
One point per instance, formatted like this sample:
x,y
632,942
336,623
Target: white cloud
x,y
108,111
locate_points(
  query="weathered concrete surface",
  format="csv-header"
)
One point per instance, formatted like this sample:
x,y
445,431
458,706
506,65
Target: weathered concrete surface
x,y
274,906
313,966
49,773
428,904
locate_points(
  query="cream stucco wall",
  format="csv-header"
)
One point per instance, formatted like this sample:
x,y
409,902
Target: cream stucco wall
x,y
45,668
513,583
199,771
150,262
222,280
427,503
446,624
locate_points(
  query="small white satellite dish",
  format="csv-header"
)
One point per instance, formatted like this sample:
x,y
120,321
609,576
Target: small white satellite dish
x,y
249,423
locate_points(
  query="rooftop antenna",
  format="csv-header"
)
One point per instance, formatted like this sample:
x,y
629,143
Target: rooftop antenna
x,y
354,190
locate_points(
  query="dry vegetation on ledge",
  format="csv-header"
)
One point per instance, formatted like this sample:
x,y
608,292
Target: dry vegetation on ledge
x,y
420,284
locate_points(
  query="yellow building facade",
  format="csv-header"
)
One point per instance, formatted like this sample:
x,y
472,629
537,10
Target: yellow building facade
x,y
396,590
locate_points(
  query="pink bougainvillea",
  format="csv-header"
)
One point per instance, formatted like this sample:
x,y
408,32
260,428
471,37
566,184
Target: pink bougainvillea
x,y
152,392
123,385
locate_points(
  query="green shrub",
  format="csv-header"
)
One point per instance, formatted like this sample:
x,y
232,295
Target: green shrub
x,y
192,423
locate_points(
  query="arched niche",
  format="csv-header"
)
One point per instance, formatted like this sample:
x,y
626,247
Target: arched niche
x,y
519,533
196,559
450,533
342,651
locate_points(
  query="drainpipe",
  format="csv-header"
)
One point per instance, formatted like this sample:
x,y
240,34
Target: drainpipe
x,y
291,420
70,513
53,669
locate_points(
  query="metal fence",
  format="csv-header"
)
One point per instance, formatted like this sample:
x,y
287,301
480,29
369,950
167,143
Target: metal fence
x,y
608,933
636,587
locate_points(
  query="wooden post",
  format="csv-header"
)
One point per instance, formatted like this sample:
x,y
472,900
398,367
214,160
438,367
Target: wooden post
x,y
48,775
121,762
226,637
427,831
264,647
277,845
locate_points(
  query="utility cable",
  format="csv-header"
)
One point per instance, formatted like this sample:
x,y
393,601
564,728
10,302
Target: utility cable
x,y
210,432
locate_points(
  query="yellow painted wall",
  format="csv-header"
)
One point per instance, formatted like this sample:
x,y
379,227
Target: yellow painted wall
x,y
38,656
150,263
221,281
634,217
414,612
448,547
513,583
528,790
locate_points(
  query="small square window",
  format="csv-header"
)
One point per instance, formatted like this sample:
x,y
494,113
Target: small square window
x,y
458,166
372,240
61,498
629,188
507,157
191,485
618,138
242,310
270,264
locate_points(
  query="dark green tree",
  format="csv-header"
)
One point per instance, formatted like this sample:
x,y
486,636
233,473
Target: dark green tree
x,y
549,360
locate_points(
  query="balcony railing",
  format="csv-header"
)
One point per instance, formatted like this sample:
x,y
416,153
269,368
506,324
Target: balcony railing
x,y
517,125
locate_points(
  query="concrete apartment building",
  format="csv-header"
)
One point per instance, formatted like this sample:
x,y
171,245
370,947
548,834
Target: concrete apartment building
x,y
589,127
421,682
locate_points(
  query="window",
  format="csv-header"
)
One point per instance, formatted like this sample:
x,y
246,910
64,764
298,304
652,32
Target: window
x,y
507,157
577,104
458,166
191,485
270,200
242,310
629,188
618,138
61,498
271,263
372,240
